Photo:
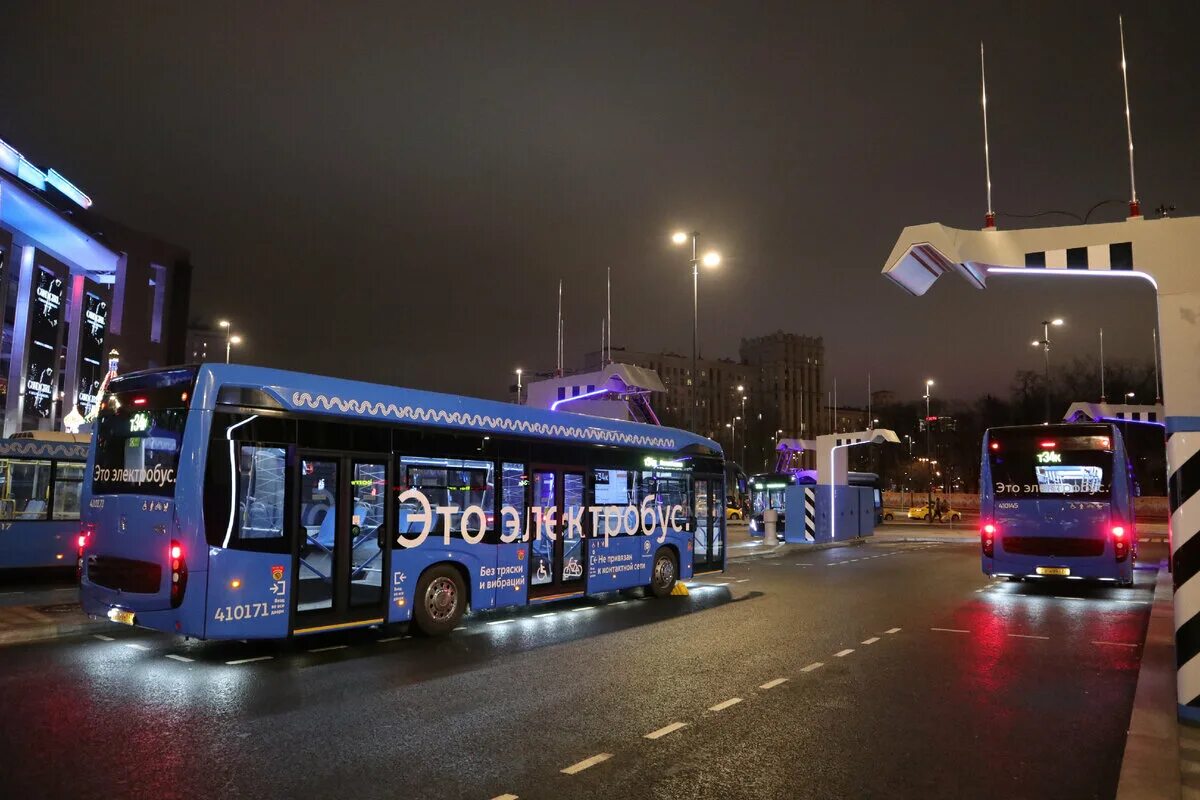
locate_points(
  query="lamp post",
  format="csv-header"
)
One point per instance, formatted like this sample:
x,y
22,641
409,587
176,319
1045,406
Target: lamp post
x,y
928,452
518,386
742,391
229,342
1044,343
710,259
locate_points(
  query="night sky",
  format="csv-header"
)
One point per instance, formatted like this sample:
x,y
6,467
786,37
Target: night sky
x,y
391,191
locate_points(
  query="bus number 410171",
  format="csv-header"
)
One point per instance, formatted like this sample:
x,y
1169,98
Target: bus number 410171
x,y
239,612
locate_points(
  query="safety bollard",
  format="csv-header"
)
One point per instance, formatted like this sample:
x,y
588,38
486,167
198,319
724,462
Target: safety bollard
x,y
770,523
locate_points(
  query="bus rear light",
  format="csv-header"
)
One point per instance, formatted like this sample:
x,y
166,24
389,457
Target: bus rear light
x,y
1048,444
85,534
139,401
987,536
179,574
1120,543
995,445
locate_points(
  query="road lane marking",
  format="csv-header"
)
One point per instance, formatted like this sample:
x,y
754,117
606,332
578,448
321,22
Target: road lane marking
x,y
743,580
501,621
618,602
814,665
506,797
772,684
586,763
1028,636
547,614
103,638
1118,644
949,630
330,647
184,659
461,628
135,645
892,630
248,660
843,653
663,731
733,701
872,640
390,639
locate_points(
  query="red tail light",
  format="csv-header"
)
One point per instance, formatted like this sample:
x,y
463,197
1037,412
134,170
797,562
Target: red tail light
x,y
1120,542
179,574
85,534
987,536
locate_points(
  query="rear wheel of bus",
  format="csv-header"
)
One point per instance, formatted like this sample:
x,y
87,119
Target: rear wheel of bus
x,y
664,573
441,600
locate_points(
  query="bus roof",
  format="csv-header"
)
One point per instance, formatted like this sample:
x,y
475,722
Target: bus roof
x,y
305,393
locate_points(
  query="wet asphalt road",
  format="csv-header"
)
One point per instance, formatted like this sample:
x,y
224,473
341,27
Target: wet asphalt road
x,y
887,670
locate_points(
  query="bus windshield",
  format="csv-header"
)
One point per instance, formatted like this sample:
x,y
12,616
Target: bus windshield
x,y
137,443
1031,465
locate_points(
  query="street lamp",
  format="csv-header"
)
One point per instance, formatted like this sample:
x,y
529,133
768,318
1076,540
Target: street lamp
x,y
230,341
928,449
1129,395
1045,345
519,385
710,259
742,391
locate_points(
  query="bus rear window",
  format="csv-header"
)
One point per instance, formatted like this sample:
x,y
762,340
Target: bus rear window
x,y
1064,467
137,449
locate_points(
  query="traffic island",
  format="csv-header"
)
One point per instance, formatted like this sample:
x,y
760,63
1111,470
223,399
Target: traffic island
x,y
19,624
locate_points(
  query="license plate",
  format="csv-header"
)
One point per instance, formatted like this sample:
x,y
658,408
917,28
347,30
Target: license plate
x,y
123,617
1053,571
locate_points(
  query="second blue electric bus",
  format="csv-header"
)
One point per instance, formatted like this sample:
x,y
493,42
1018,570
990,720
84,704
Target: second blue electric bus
x,y
234,502
40,478
1056,502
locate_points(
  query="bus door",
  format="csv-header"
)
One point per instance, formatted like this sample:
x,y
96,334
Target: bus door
x,y
708,523
557,566
339,503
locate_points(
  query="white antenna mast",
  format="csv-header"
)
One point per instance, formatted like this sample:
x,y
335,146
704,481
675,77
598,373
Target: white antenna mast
x,y
989,221
558,355
608,308
1103,398
1157,390
1135,208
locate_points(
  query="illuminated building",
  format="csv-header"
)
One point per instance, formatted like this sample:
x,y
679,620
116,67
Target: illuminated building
x,y
75,285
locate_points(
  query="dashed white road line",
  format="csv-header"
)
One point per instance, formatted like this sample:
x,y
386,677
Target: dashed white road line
x,y
618,602
949,630
843,653
812,666
1118,644
733,701
461,628
390,639
1028,636
135,645
743,580
772,684
663,731
103,638
327,649
184,659
892,630
872,640
499,622
248,660
506,797
546,614
586,763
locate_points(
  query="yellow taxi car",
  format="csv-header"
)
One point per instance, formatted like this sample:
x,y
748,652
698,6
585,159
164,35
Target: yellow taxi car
x,y
734,512
922,512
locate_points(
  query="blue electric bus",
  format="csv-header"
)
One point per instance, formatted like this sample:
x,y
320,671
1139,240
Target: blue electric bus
x,y
1056,501
238,502
40,477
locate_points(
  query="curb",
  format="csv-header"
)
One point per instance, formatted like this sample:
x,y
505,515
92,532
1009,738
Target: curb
x,y
21,624
786,547
1150,763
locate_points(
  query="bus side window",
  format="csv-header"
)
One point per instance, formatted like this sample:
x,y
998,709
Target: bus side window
x,y
68,480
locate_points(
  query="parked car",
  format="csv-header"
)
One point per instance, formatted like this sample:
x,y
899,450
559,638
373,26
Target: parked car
x,y
734,511
922,512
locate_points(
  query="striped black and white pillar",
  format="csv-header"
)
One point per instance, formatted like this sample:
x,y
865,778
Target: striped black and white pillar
x,y
810,513
1183,467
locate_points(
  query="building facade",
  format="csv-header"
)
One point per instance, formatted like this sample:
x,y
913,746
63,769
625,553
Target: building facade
x,y
75,286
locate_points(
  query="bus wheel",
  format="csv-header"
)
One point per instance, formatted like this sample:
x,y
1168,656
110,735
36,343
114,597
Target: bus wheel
x,y
664,573
441,600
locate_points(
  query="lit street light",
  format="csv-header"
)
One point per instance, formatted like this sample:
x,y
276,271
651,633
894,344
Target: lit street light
x,y
519,386
230,341
710,259
928,449
1044,343
742,391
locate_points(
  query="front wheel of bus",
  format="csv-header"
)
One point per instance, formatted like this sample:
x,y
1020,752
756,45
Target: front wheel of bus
x,y
441,600
664,573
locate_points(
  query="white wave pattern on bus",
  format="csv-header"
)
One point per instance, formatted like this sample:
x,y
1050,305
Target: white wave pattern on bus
x,y
469,420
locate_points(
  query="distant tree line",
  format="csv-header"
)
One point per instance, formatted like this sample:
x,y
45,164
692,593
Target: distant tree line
x,y
957,450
